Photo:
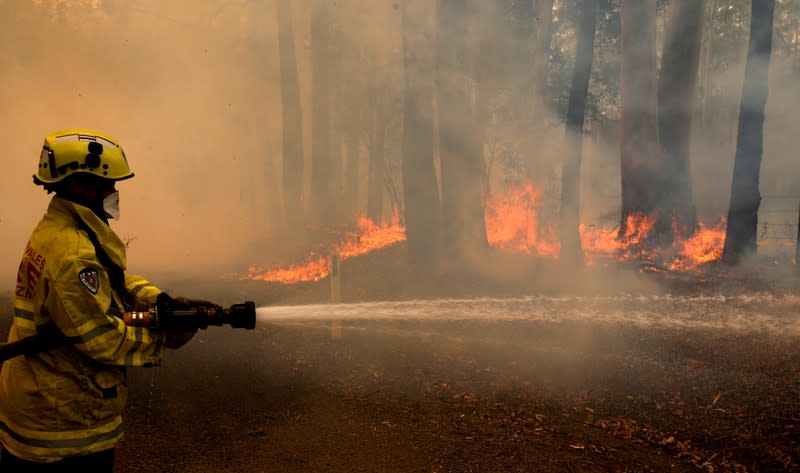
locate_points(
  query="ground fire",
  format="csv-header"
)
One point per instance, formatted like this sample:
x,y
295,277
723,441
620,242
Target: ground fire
x,y
513,224
368,237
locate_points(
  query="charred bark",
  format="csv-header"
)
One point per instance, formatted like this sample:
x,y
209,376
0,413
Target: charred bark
x,y
740,235
293,155
640,162
676,94
461,160
420,186
571,252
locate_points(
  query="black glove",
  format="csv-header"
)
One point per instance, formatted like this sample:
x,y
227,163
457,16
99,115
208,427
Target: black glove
x,y
167,302
187,303
174,338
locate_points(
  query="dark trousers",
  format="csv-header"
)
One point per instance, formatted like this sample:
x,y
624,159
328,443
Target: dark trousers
x,y
100,462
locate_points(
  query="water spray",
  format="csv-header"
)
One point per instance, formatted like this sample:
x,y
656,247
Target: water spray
x,y
744,313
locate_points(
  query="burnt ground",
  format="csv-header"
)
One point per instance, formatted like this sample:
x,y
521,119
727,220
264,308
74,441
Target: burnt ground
x,y
481,395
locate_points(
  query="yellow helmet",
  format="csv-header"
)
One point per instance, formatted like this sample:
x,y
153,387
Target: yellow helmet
x,y
79,150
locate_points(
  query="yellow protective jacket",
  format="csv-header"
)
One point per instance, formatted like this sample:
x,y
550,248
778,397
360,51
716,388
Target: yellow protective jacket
x,y
68,400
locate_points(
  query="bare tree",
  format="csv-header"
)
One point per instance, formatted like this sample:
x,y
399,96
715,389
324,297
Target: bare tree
x,y
420,188
541,55
336,115
323,170
640,163
740,236
293,157
676,92
461,160
352,115
376,171
487,37
571,252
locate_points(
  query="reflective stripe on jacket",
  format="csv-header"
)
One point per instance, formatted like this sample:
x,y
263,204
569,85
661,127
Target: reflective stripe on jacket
x,y
68,400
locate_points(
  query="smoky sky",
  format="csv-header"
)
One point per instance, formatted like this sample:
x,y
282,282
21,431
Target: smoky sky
x,y
177,84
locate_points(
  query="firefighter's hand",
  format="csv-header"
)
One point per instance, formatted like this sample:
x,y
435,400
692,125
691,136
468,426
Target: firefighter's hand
x,y
188,302
177,339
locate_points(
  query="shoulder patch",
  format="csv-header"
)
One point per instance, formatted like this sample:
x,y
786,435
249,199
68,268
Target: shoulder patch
x,y
89,279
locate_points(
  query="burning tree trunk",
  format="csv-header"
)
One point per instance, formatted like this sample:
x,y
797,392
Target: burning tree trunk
x,y
676,91
322,168
293,156
640,161
461,159
740,237
420,187
571,252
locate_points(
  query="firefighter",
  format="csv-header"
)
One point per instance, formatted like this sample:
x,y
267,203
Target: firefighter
x,y
60,408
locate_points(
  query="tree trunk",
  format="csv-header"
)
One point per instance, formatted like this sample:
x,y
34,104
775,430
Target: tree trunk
x,y
705,70
461,161
486,63
337,105
420,189
676,91
740,236
518,81
293,156
541,58
520,74
571,252
638,127
353,115
375,184
322,169
353,144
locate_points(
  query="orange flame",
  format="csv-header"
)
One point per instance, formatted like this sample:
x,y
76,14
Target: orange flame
x,y
601,241
513,224
369,237
704,246
314,269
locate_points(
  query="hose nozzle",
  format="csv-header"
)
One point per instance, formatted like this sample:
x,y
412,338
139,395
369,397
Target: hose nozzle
x,y
167,317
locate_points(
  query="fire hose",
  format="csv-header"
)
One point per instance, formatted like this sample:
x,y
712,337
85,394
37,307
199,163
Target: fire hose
x,y
165,315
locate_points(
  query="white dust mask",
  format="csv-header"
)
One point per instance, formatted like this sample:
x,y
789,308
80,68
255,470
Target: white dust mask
x,y
111,205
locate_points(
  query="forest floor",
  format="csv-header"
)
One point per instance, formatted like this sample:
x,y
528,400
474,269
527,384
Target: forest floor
x,y
482,394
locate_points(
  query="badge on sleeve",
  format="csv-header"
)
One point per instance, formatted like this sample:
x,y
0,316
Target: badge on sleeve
x,y
89,278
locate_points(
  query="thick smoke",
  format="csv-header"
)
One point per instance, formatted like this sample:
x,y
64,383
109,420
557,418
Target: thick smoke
x,y
191,89
190,93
